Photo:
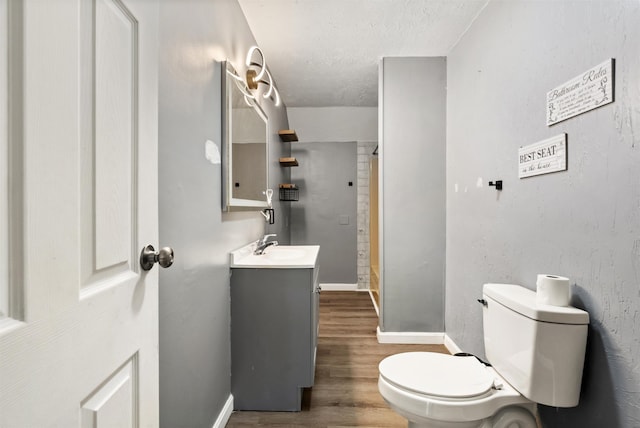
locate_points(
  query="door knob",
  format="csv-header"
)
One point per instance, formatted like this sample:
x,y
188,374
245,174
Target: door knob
x,y
149,256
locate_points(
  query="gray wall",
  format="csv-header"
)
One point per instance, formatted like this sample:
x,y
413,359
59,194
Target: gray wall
x,y
582,223
330,124
326,202
360,124
412,195
194,292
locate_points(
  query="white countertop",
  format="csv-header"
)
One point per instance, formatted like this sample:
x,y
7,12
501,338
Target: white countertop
x,y
275,257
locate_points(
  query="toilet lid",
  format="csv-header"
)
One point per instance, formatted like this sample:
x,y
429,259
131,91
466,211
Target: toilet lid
x,y
437,374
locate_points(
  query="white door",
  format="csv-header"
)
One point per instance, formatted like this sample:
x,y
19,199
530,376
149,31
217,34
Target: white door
x,y
79,335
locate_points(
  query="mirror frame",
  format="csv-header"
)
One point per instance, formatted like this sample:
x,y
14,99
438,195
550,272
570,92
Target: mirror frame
x,y
229,203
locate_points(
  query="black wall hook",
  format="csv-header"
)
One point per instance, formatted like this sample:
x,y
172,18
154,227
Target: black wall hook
x,y
497,184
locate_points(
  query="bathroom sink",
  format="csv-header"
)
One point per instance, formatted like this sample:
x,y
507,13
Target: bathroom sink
x,y
284,253
276,257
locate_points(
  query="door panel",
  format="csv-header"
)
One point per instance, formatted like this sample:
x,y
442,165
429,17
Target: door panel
x,y
86,351
113,405
110,84
115,87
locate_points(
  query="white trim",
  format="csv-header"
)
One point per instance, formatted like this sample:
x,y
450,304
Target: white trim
x,y
375,305
381,140
339,287
225,413
451,345
410,338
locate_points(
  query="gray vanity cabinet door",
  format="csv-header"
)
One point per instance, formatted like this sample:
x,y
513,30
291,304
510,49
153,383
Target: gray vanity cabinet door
x,y
274,316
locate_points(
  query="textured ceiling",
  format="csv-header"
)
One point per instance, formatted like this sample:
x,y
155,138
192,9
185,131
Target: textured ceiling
x,y
326,52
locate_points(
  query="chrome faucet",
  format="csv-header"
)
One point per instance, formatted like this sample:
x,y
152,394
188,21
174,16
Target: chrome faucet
x,y
263,243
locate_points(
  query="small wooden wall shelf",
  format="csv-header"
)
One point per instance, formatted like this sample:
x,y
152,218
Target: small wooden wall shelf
x,y
288,162
288,135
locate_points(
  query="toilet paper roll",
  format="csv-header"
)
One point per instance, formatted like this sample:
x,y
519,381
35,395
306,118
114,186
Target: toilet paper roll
x,y
553,290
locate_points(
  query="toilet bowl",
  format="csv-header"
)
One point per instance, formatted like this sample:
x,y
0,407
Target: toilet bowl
x,y
449,391
536,353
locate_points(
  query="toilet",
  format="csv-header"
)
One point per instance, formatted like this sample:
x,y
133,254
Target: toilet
x,y
535,355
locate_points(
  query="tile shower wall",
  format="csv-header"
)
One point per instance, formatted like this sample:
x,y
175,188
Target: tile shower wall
x,y
365,150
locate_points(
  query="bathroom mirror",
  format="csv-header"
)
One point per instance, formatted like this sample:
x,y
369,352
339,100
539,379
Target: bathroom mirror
x,y
245,147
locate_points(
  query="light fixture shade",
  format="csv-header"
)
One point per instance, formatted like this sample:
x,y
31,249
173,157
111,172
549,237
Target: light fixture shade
x,y
262,64
257,73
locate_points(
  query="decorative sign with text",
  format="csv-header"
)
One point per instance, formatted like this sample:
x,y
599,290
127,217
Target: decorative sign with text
x,y
543,157
590,90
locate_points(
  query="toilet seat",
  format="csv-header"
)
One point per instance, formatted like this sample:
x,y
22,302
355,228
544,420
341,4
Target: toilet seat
x,y
438,375
427,386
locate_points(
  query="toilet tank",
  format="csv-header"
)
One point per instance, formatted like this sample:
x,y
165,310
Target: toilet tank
x,y
538,349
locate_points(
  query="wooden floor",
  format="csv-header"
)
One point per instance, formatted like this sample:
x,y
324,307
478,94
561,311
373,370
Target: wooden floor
x,y
345,393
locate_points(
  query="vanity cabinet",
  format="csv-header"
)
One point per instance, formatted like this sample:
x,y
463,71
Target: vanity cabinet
x,y
274,336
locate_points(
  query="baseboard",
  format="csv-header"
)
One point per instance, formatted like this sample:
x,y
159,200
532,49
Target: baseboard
x,y
225,413
338,287
410,338
451,345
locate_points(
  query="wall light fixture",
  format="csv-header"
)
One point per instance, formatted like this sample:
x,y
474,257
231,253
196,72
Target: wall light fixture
x,y
256,73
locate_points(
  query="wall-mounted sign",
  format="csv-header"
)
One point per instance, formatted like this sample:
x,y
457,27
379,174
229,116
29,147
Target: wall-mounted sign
x,y
590,90
543,157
